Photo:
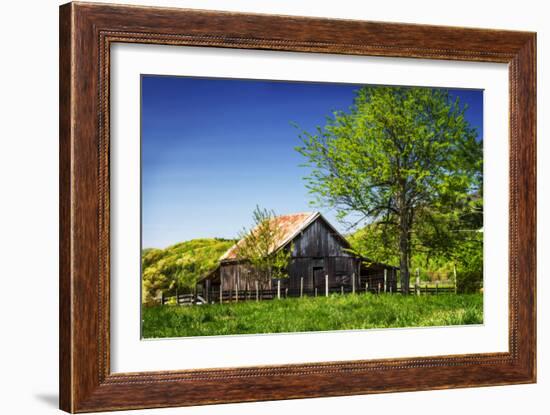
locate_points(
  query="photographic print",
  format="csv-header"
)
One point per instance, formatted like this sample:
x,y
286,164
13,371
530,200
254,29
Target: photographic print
x,y
283,206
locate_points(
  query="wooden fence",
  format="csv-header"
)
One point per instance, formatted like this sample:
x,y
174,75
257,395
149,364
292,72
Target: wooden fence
x,y
226,296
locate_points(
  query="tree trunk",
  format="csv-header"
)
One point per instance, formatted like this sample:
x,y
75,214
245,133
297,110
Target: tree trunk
x,y
404,243
404,259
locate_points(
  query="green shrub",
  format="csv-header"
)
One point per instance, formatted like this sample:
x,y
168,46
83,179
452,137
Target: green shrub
x,y
468,282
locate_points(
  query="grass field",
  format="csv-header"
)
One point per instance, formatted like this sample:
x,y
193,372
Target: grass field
x,y
337,312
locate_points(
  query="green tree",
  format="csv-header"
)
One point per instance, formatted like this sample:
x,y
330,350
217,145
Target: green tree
x,y
259,247
397,154
453,235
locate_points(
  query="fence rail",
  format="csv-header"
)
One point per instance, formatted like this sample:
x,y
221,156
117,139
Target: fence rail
x,y
226,296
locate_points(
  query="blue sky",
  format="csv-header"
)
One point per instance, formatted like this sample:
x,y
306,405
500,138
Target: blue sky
x,y
213,149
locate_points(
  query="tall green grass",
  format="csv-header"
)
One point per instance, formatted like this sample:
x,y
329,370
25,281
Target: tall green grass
x,y
337,312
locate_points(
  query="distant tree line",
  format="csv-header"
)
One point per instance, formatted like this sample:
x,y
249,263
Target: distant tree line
x,y
179,266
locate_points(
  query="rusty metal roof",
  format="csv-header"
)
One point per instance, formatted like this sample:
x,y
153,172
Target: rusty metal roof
x,y
290,226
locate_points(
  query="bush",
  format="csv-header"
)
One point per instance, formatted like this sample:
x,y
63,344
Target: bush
x,y
468,282
171,301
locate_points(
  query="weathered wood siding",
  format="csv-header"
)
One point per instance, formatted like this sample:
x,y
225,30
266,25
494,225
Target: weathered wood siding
x,y
374,276
236,275
318,240
339,269
317,247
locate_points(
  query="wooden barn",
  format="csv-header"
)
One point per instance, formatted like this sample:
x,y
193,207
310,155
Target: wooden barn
x,y
320,257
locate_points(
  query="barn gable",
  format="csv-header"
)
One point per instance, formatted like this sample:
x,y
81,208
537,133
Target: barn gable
x,y
290,226
318,239
309,233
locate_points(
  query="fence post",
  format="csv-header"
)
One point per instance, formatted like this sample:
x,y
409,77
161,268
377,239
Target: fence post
x,y
385,280
417,284
426,288
342,289
177,298
378,288
353,283
326,285
257,293
436,288
315,291
161,298
301,287
279,289
286,292
236,292
367,287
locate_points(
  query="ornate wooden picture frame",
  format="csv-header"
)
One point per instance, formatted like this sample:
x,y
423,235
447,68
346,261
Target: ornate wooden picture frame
x,y
87,32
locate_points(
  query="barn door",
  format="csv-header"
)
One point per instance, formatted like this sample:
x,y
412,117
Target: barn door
x,y
318,277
